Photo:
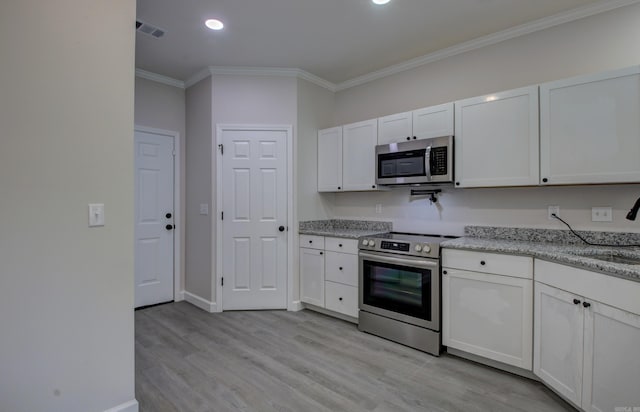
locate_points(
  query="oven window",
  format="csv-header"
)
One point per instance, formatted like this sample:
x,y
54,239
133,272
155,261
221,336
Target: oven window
x,y
402,164
400,289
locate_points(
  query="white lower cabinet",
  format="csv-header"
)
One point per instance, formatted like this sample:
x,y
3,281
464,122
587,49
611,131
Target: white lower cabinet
x,y
587,337
488,314
329,277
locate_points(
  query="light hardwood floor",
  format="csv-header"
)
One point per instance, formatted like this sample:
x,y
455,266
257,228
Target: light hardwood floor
x,y
189,360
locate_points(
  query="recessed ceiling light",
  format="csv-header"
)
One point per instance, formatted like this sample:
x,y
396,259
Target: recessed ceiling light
x,y
381,1
215,24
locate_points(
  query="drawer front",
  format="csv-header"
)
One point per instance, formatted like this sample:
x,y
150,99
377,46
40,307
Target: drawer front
x,y
341,245
312,242
341,268
507,265
341,298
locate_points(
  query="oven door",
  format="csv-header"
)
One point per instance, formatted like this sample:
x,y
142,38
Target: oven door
x,y
402,288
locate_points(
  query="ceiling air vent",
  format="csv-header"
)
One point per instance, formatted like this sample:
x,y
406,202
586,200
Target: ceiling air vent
x,y
149,30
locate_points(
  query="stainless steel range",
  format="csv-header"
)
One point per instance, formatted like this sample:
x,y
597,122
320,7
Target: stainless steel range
x,y
400,289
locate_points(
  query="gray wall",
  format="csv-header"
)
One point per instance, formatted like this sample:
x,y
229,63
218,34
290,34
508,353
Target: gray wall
x,y
198,190
606,41
66,140
161,106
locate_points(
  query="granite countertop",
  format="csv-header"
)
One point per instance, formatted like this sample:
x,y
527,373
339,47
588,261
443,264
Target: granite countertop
x,y
573,254
349,229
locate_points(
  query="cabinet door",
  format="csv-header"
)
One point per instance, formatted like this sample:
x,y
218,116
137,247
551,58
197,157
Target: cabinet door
x,y
590,129
359,146
611,359
330,160
558,340
395,128
433,121
488,315
497,139
312,276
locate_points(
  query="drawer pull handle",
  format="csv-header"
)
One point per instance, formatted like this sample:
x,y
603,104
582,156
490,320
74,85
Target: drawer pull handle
x,y
311,241
482,262
586,304
340,299
576,301
340,268
340,245
322,253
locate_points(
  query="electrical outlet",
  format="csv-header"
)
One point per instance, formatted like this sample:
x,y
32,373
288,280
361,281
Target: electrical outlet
x,y
553,210
379,208
601,214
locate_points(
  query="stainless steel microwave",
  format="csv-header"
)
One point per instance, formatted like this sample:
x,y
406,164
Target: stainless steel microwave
x,y
424,161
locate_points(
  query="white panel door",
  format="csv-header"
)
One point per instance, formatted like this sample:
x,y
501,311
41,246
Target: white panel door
x,y
153,230
558,340
312,276
358,155
590,128
395,128
611,359
497,139
254,199
434,121
330,160
488,315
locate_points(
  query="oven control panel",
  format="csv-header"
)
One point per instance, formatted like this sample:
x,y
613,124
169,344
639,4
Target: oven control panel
x,y
396,246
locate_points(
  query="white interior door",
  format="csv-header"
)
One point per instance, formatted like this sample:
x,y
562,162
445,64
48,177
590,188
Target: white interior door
x,y
254,203
154,234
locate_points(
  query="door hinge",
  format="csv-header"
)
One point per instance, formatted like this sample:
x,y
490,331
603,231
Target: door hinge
x,y
222,281
221,215
173,152
221,147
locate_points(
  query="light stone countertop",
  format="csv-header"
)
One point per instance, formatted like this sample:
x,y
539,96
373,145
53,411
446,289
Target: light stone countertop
x,y
570,254
348,229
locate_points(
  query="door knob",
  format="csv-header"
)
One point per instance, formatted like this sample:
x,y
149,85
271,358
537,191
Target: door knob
x,y
281,228
168,215
169,227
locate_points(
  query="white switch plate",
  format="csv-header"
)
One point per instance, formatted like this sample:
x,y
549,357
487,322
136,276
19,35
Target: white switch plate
x,y
96,214
204,209
379,208
601,214
553,210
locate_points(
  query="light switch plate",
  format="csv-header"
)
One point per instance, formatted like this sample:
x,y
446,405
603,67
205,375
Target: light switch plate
x,y
204,209
601,214
96,214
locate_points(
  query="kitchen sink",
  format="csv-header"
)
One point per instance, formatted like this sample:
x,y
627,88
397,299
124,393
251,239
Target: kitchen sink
x,y
610,257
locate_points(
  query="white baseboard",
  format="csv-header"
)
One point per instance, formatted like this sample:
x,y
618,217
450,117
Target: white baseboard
x,y
295,306
131,406
180,296
200,302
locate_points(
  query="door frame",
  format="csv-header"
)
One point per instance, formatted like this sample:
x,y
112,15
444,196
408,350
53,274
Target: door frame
x,y
178,293
216,224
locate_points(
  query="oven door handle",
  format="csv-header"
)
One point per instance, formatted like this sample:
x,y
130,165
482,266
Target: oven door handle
x,y
422,263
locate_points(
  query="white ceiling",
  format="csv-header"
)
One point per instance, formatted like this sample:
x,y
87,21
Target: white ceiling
x,y
337,40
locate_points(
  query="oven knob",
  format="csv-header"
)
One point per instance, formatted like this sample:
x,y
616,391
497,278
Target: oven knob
x,y
418,248
372,243
365,242
426,248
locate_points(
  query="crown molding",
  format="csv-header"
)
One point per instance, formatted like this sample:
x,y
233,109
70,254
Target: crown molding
x,y
488,40
259,71
169,81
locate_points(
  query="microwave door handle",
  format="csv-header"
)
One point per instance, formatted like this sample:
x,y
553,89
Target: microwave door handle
x,y
427,163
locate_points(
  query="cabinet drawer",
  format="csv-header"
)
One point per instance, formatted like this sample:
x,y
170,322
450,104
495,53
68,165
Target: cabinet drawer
x,y
508,265
341,298
341,245
312,242
341,268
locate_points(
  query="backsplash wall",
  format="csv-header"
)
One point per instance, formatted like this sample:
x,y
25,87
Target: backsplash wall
x,y
521,207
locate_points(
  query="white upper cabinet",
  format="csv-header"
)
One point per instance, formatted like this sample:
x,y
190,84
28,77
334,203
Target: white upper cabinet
x,y
435,121
358,157
497,139
395,128
590,128
330,160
